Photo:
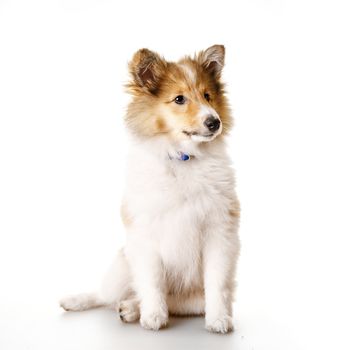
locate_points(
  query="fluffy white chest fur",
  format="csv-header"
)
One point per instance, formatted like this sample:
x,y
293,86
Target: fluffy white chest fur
x,y
174,206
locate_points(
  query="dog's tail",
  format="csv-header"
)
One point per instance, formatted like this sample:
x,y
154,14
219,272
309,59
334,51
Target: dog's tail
x,y
115,288
81,302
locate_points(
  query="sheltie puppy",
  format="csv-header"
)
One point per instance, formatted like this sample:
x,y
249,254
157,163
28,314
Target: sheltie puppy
x,y
180,210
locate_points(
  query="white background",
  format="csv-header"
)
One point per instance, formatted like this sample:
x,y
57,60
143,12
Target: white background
x,y
63,147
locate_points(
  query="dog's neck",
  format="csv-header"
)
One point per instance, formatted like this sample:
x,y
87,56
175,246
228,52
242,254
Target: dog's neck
x,y
184,151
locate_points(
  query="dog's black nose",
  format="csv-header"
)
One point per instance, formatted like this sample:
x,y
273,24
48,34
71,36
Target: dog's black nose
x,y
212,123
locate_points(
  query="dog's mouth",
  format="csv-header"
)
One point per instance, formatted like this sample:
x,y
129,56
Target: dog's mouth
x,y
195,133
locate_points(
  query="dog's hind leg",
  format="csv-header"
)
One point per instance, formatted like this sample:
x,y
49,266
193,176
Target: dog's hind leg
x,y
129,310
116,286
178,305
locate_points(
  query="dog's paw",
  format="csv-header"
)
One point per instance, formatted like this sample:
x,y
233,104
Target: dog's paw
x,y
154,321
129,310
222,324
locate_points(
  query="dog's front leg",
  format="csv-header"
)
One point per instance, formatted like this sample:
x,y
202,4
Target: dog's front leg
x,y
219,258
149,284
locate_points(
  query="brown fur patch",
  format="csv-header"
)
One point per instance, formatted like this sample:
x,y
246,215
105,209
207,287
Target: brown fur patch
x,y
235,210
126,217
160,125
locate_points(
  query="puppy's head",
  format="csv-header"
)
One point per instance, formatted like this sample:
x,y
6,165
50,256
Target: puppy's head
x,y
183,100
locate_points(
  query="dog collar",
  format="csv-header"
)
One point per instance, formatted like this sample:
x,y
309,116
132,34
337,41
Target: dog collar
x,y
182,156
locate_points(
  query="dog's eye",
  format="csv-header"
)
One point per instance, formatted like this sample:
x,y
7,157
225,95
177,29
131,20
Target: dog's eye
x,y
180,100
207,96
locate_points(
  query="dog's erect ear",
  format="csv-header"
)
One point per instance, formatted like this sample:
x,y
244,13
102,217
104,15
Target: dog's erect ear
x,y
146,68
213,59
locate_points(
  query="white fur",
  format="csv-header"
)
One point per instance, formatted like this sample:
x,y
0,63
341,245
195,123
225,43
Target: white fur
x,y
182,243
189,72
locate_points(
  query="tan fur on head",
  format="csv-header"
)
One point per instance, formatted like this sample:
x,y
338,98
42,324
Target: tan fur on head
x,y
155,83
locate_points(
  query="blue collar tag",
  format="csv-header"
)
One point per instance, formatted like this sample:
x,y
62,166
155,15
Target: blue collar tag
x,y
184,156
181,156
